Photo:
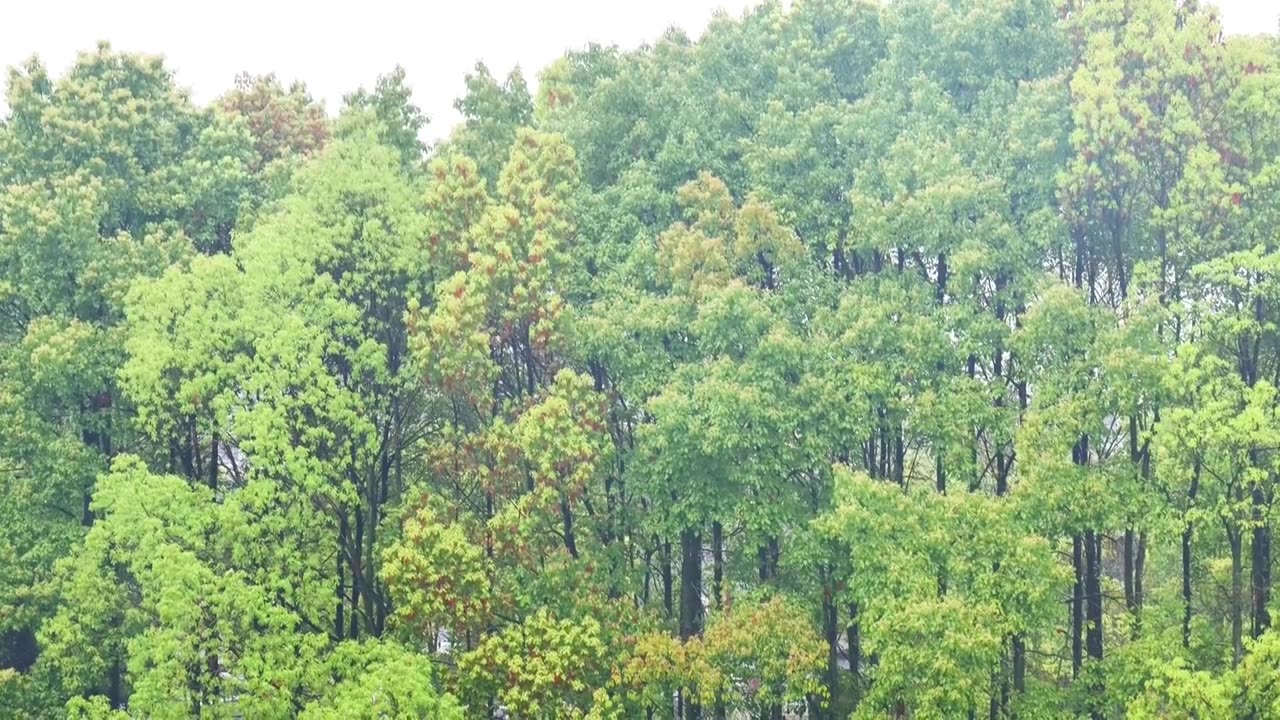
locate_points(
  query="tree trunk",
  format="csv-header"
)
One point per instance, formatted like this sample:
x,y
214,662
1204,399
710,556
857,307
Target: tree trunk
x,y
1019,664
1093,592
666,577
339,627
370,562
1139,572
1077,606
870,458
853,636
717,568
1237,598
831,629
115,692
357,576
1127,571
1261,563
691,599
566,517
899,456
768,554
212,470
86,508
1187,538
1093,612
1186,585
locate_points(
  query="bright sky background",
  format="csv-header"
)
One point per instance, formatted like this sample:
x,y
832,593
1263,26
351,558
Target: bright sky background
x,y
336,46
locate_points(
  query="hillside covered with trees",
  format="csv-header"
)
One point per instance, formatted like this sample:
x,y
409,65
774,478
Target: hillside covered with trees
x,y
915,360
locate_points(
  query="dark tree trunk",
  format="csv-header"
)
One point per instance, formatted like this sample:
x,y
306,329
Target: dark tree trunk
x,y
357,577
339,626
1077,606
1019,664
666,578
1093,592
997,370
942,278
1237,597
691,599
872,470
1093,612
212,470
1127,571
1187,538
1186,585
86,508
566,516
768,554
1261,563
115,692
188,455
831,629
717,569
899,455
853,637
369,566
690,583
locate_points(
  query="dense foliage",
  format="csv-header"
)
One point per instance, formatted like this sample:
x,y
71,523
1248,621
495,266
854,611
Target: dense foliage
x,y
916,360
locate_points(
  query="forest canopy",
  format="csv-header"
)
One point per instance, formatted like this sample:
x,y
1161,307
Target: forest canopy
x,y
911,360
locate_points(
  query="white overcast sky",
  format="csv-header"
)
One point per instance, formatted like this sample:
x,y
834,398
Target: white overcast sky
x,y
336,46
